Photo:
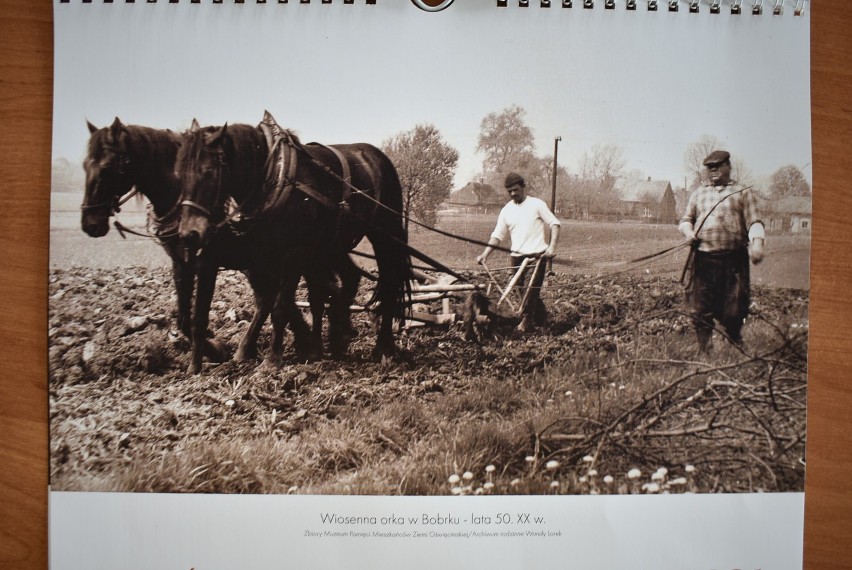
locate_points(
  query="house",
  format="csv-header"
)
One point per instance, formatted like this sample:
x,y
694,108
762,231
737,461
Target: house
x,y
790,214
649,201
475,197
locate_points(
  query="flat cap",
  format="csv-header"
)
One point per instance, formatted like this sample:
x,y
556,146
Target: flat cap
x,y
514,178
717,157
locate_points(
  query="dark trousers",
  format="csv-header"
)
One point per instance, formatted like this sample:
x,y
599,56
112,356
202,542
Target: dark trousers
x,y
533,307
719,290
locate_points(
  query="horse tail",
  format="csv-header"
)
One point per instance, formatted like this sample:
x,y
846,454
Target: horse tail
x,y
391,245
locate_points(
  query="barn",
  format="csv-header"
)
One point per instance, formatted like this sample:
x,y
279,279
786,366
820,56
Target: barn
x,y
650,201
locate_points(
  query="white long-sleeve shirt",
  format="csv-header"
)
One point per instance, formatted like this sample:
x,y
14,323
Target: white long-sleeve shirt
x,y
524,224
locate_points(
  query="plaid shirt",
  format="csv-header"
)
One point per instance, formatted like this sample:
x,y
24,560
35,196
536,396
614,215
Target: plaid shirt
x,y
725,226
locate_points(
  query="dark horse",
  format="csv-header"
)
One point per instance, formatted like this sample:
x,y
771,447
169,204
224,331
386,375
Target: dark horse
x,y
306,205
121,157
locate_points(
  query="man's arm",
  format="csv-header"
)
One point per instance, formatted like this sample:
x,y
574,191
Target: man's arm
x,y
554,238
480,259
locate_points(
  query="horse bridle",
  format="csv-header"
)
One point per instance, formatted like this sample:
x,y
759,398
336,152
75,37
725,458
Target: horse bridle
x,y
221,165
122,163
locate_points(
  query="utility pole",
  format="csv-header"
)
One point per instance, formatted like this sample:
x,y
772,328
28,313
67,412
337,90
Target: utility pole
x,y
553,190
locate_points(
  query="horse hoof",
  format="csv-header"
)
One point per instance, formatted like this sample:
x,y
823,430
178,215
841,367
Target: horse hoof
x,y
274,361
193,369
243,355
216,351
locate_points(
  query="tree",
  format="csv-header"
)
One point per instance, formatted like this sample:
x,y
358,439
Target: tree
x,y
693,158
506,140
426,165
600,168
789,181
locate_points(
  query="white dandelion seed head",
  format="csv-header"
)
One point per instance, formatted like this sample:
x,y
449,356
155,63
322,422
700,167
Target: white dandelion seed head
x,y
467,475
229,403
488,486
490,469
554,484
657,476
634,474
552,464
515,482
479,491
588,459
663,471
453,479
593,472
678,481
569,393
457,491
529,458
608,479
689,468
651,488
583,479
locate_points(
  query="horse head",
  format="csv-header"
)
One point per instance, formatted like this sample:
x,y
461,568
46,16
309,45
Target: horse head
x,y
202,169
108,176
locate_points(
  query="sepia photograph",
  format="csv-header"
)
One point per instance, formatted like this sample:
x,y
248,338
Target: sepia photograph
x,y
376,250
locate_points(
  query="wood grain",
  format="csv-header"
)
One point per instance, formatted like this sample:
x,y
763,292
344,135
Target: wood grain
x,y
26,64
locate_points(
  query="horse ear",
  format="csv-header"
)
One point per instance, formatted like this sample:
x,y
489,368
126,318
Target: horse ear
x,y
92,128
116,128
195,126
216,136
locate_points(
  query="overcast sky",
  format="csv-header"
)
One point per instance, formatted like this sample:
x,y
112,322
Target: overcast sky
x,y
651,83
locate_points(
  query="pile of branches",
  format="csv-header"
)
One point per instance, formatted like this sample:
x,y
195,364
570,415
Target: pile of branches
x,y
740,422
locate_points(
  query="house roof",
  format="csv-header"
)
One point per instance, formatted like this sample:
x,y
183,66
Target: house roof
x,y
638,191
792,205
474,194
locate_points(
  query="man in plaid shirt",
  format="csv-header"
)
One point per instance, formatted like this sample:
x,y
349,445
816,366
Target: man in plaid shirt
x,y
722,220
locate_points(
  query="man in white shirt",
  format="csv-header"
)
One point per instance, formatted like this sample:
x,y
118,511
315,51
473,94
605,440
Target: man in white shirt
x,y
523,221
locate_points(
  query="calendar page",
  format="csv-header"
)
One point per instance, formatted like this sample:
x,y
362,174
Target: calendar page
x,y
375,284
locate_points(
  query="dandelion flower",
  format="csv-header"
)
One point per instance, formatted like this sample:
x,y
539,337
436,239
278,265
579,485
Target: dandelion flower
x,y
593,472
490,469
588,459
529,458
467,476
453,479
552,464
689,468
634,474
608,479
488,486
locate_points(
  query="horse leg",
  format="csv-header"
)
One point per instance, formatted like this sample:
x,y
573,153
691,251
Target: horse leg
x,y
264,299
390,287
201,317
286,312
318,292
340,330
184,279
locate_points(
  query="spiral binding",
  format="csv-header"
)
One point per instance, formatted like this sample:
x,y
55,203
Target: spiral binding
x,y
693,6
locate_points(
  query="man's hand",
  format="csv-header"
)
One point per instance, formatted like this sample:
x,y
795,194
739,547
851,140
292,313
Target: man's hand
x,y
755,251
480,259
549,253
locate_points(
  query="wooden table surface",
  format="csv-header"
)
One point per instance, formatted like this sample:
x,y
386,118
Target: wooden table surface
x,y
26,91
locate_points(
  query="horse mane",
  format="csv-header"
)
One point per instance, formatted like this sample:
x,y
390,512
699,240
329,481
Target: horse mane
x,y
145,144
